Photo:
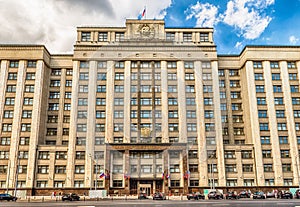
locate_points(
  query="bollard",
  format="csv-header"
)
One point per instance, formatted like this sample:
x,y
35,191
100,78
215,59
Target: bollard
x,y
84,198
43,199
28,199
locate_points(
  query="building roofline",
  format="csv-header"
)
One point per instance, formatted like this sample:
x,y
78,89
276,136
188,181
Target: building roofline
x,y
258,46
26,46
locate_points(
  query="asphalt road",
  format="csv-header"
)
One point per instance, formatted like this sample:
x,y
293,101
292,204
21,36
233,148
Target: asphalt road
x,y
157,203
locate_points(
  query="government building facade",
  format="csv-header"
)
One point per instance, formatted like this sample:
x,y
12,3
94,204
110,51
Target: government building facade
x,y
148,108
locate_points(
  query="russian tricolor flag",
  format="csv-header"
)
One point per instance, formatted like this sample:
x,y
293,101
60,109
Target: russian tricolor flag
x,y
102,175
144,12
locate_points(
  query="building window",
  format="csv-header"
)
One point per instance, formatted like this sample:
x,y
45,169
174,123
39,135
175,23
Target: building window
x,y
281,127
264,127
26,114
10,101
274,65
61,155
294,88
119,101
174,168
100,128
191,127
231,182
269,182
146,169
30,76
172,88
229,154
100,101
117,169
4,155
293,76
187,37
280,114
277,88
257,64
119,36
291,65
59,184
23,155
12,76
247,168
100,89
69,72
265,140
44,155
79,169
189,65
43,169
260,88
117,183
288,182
278,101
173,127
190,101
283,140
53,83
170,36
204,37
82,114
56,72
68,83
81,127
190,114
83,76
102,37
249,182
5,141
258,76
24,140
118,127
266,154
175,183
262,114
286,167
172,64
41,184
284,153
14,64
6,127
230,167
85,36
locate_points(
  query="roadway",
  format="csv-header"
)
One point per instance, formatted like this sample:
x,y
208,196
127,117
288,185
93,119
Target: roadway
x,y
158,203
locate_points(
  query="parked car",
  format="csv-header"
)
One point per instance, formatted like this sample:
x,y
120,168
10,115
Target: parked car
x,y
231,195
259,195
159,196
195,196
143,196
297,194
270,195
285,194
244,194
70,197
7,197
215,195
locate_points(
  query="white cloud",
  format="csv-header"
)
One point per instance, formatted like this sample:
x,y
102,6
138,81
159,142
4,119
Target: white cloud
x,y
247,16
206,14
238,45
53,22
293,40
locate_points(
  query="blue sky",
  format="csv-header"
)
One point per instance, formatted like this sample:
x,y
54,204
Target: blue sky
x,y
236,22
276,22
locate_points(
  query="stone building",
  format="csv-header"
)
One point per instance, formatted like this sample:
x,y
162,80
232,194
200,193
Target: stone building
x,y
148,108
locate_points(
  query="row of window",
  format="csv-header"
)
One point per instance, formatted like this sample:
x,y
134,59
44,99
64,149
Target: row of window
x,y
276,88
273,65
120,36
15,64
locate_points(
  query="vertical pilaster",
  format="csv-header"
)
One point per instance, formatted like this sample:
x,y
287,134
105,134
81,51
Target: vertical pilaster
x,y
90,133
202,152
164,102
16,125
109,103
277,167
254,123
218,123
35,122
181,102
3,81
290,121
73,126
127,101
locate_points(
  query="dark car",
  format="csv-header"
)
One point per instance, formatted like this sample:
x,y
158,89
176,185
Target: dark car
x,y
159,196
215,195
285,195
244,194
143,196
297,194
70,197
195,196
259,195
7,197
231,195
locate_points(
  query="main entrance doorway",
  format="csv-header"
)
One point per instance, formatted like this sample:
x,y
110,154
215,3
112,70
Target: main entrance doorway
x,y
145,186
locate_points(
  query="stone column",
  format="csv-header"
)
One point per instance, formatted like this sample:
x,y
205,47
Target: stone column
x,y
218,124
254,122
90,132
277,167
127,172
181,102
164,103
294,154
3,82
201,138
35,122
73,126
109,122
16,125
127,101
